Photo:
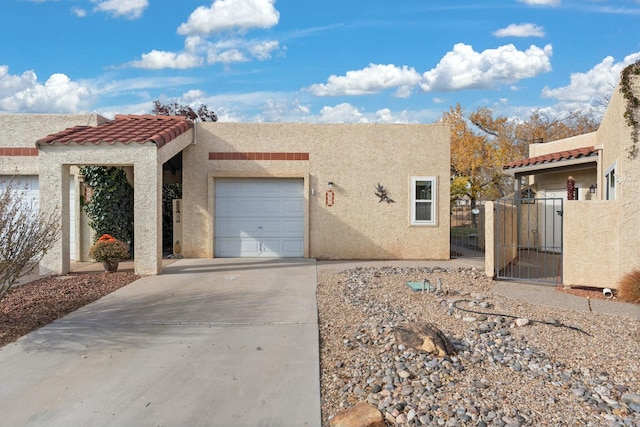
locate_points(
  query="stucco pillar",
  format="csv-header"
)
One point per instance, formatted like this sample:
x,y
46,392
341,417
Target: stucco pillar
x,y
148,215
54,198
489,242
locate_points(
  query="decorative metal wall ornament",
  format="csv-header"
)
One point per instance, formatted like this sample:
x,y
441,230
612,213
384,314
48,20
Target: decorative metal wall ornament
x,y
382,193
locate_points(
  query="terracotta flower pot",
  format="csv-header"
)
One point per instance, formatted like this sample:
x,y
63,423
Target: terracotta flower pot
x,y
110,266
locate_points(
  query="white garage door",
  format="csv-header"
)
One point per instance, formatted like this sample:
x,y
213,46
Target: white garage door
x,y
27,187
259,218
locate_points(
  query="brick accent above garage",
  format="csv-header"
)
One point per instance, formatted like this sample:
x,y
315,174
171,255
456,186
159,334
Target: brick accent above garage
x,y
18,151
225,155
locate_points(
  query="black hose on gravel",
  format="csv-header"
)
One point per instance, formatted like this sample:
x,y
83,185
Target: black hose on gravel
x,y
557,324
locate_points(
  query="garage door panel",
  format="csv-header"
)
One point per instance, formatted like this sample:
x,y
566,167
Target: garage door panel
x,y
292,247
293,227
248,207
273,227
229,207
259,217
292,207
271,208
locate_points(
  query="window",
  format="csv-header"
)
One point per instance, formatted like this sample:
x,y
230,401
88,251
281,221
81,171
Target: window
x,y
610,181
423,200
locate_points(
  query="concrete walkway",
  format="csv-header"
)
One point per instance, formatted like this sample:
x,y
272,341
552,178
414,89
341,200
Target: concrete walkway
x,y
207,343
548,296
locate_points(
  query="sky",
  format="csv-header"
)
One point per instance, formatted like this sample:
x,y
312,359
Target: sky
x,y
347,61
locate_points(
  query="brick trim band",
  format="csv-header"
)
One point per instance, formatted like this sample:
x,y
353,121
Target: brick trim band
x,y
18,151
218,155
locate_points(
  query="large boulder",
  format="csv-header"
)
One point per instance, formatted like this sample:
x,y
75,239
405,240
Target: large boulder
x,y
360,415
424,336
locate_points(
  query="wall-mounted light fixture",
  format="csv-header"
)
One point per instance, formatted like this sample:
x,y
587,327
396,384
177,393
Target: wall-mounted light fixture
x,y
592,188
330,196
177,211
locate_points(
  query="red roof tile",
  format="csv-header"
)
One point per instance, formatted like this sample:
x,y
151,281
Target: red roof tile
x,y
124,129
553,157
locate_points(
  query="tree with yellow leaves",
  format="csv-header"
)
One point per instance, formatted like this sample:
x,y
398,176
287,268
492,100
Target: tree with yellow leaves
x,y
482,144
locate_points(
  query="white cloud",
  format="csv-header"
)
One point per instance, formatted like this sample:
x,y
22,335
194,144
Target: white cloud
x,y
385,115
520,30
594,85
24,94
239,50
284,109
373,79
541,2
341,113
262,50
225,15
198,50
158,59
10,84
464,68
226,57
79,12
131,9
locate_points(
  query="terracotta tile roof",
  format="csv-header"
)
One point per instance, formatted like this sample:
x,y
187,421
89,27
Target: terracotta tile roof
x,y
553,157
124,129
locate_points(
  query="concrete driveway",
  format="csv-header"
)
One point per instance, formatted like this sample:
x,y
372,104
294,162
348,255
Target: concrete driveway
x,y
224,342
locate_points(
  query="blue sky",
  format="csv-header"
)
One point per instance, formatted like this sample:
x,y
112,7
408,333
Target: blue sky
x,y
405,61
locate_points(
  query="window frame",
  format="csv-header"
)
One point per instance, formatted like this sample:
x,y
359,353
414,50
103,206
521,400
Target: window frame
x,y
415,200
610,183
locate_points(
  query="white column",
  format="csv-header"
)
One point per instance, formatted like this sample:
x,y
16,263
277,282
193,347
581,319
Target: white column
x,y
148,214
54,199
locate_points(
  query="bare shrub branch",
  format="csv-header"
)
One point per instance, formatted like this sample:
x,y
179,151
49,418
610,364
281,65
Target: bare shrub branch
x,y
25,234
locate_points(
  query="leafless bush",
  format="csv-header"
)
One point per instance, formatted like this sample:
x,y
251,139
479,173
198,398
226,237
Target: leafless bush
x,y
25,234
630,287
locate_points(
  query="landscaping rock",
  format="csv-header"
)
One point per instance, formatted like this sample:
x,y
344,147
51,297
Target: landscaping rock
x,y
360,415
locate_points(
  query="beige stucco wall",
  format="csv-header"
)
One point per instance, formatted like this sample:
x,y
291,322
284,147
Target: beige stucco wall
x,y
615,135
579,141
355,158
23,130
591,247
545,184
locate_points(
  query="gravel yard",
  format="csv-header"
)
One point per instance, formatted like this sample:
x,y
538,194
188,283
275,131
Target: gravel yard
x,y
584,373
32,305
562,368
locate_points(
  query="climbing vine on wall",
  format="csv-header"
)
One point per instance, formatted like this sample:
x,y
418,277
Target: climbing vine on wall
x,y
110,209
633,102
169,192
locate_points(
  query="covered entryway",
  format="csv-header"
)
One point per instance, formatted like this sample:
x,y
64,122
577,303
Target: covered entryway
x,y
259,217
142,143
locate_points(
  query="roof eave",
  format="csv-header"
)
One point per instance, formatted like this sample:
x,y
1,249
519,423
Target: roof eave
x,y
549,166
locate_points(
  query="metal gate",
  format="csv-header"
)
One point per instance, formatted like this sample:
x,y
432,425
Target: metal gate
x,y
467,232
528,236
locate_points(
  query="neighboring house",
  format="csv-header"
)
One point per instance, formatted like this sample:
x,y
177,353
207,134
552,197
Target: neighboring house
x,y
19,158
587,218
253,189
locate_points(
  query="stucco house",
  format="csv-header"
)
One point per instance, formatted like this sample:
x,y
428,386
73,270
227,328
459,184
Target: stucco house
x,y
343,191
584,227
